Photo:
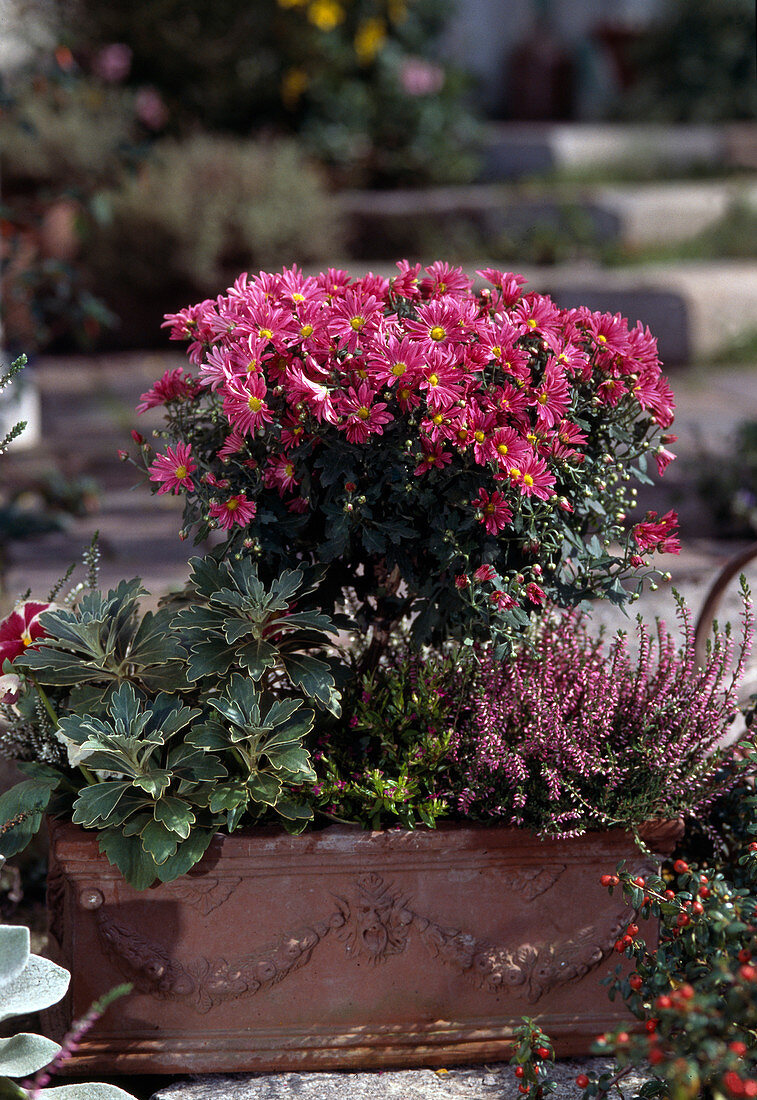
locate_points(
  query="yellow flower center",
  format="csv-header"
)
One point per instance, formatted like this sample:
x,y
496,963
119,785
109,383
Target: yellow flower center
x,y
543,398
26,638
515,472
602,339
433,380
232,505
437,332
462,435
531,322
252,365
297,297
399,369
306,330
404,393
267,333
289,469
496,351
489,509
442,288
255,404
479,436
528,480
502,448
438,419
180,472
356,323
363,412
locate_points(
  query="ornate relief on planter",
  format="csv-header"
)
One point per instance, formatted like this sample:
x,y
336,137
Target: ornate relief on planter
x,y
342,948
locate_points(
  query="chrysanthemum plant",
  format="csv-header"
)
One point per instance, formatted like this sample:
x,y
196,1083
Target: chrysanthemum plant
x,y
453,456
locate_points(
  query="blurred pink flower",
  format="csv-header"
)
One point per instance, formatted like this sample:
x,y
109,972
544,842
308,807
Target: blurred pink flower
x,y
113,62
419,77
150,109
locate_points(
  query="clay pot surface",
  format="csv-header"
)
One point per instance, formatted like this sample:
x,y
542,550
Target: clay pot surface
x,y
344,948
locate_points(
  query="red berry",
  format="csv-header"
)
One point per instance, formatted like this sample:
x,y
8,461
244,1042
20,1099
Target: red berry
x,y
655,1056
627,940
622,1037
525,1089
686,992
669,894
744,955
703,878
619,945
606,880
582,1081
750,1088
663,1002
738,1047
639,881
519,1071
753,846
704,891
543,1052
632,930
733,1083
683,920
636,981
748,973
680,867
651,1025
697,908
646,901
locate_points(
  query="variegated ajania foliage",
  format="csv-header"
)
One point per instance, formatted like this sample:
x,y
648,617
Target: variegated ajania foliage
x,y
234,620
104,642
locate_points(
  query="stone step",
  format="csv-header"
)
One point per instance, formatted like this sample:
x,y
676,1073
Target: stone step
x,y
516,150
387,223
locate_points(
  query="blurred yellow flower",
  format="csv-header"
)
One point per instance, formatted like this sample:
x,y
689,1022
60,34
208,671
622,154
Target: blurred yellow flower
x,y
291,3
293,84
325,14
369,38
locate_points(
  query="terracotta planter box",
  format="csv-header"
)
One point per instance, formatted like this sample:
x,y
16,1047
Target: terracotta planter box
x,y
342,948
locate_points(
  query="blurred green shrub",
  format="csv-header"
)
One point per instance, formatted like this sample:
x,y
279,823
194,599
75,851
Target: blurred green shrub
x,y
204,209
360,80
696,64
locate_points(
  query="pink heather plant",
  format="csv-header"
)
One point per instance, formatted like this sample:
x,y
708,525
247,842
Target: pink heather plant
x,y
566,735
407,432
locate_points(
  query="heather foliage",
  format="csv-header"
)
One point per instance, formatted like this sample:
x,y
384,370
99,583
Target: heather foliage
x,y
566,734
453,456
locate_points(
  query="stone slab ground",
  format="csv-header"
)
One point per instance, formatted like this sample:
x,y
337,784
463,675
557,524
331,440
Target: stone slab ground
x,y
487,1082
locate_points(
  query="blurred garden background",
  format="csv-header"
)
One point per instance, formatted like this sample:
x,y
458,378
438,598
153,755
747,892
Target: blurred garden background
x,y
153,150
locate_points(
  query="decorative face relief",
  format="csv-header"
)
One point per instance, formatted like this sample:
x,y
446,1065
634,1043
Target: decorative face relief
x,y
374,922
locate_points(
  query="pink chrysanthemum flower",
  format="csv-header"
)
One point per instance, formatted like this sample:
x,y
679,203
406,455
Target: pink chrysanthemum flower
x,y
532,477
173,469
508,447
658,534
363,416
235,511
438,324
280,474
20,630
495,511
433,456
173,386
442,278
244,403
353,318
551,397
